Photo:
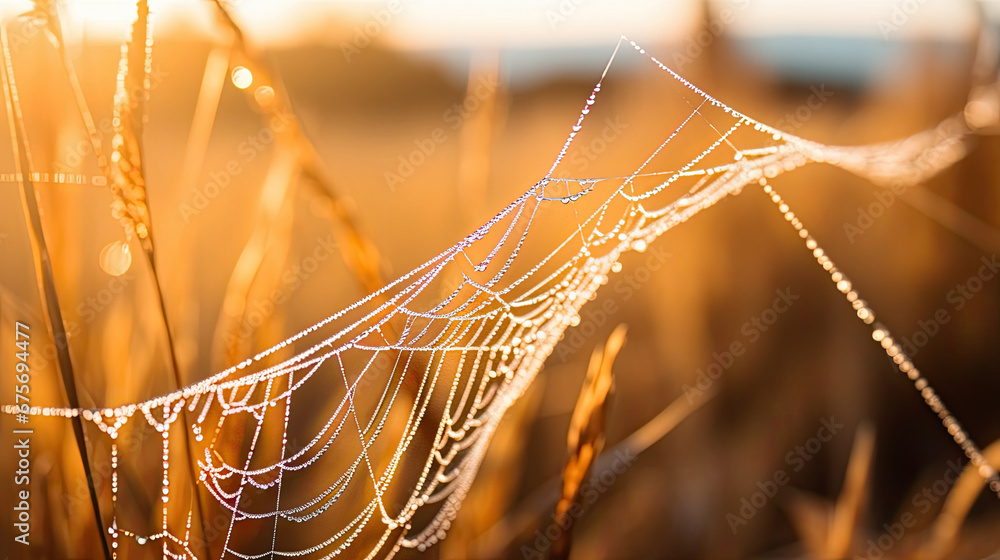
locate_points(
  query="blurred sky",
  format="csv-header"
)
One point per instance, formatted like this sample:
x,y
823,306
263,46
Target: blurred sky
x,y
424,24
848,43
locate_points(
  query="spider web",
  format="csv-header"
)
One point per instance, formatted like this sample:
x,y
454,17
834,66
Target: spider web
x,y
398,395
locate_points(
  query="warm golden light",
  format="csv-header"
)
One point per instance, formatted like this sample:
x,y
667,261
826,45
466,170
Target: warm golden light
x,y
394,239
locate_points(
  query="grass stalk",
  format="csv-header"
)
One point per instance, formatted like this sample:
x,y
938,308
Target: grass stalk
x,y
945,533
358,252
520,518
43,272
129,185
585,438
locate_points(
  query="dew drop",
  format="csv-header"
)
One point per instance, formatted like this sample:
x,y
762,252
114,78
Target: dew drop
x,y
242,77
115,258
264,95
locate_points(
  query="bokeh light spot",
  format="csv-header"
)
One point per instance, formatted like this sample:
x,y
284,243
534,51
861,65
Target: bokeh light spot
x,y
242,77
115,258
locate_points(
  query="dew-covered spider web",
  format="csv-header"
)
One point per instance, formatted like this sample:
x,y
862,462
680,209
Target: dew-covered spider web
x,y
362,434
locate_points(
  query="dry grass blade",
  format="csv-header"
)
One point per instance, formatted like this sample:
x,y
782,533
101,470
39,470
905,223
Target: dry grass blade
x,y
825,529
357,251
585,438
43,270
48,9
660,425
53,30
272,208
944,534
209,93
128,186
484,119
518,521
953,218
126,178
202,123
810,516
848,508
477,134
